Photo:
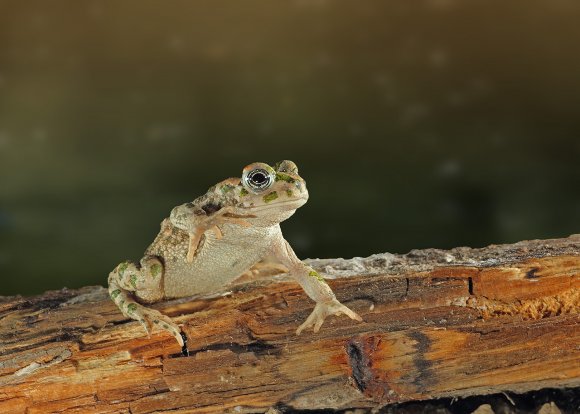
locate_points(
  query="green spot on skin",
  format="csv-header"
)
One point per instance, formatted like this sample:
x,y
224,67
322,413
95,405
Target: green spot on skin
x,y
270,197
284,177
226,188
133,281
131,308
155,270
243,192
289,193
122,267
165,326
115,293
316,275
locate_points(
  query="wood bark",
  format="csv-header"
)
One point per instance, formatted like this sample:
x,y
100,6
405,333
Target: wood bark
x,y
436,323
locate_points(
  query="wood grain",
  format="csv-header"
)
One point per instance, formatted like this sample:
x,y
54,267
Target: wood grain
x,y
436,323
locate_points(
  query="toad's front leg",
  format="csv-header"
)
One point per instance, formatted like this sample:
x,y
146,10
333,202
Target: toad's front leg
x,y
196,221
314,286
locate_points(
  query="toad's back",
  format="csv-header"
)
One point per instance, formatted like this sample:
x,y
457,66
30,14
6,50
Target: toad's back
x,y
216,262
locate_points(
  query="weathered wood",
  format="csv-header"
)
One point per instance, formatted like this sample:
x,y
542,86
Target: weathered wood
x,y
437,323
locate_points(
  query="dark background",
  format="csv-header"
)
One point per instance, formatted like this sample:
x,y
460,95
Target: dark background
x,y
415,123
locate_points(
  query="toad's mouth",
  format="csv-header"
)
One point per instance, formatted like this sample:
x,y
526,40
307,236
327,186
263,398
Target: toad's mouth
x,y
280,205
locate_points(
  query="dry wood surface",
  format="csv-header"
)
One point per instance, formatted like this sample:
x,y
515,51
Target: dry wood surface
x,y
436,323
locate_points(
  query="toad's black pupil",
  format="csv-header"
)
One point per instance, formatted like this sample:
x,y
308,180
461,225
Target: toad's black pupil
x,y
258,178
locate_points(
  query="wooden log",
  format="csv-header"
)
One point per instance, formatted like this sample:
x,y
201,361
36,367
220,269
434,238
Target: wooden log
x,y
436,323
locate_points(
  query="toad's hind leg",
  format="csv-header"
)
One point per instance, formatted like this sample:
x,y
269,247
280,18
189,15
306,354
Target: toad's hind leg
x,y
129,280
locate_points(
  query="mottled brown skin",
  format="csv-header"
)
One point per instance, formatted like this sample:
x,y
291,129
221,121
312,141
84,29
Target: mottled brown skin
x,y
208,243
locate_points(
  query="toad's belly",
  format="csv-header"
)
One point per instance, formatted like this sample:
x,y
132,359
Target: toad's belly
x,y
218,262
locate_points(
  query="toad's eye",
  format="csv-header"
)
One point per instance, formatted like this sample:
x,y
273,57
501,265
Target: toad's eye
x,y
258,179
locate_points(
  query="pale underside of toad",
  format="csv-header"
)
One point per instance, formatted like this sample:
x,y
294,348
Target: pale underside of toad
x,y
210,242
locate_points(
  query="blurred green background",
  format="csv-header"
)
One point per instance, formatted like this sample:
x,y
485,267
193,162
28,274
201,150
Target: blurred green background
x,y
415,123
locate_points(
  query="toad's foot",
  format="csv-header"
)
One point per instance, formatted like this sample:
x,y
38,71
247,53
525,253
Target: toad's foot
x,y
260,270
324,309
194,239
151,318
